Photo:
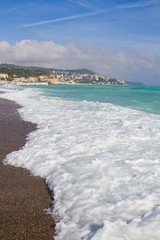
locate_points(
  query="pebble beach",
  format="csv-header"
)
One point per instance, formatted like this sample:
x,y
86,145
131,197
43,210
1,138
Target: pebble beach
x,y
24,199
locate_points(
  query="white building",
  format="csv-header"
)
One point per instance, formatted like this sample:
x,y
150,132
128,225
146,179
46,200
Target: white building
x,y
3,76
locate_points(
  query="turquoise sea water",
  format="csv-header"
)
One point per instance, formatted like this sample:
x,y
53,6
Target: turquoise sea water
x,y
145,98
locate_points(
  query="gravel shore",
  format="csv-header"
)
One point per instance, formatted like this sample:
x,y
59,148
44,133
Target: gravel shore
x,y
23,197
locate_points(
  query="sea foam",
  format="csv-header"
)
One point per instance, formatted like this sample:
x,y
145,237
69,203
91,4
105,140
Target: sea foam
x,y
101,161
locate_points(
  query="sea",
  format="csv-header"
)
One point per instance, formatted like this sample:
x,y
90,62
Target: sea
x,y
98,149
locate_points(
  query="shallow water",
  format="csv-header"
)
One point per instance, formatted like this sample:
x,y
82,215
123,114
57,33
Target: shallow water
x,y
146,98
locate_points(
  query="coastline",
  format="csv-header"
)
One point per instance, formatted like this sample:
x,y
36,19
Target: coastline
x,y
23,197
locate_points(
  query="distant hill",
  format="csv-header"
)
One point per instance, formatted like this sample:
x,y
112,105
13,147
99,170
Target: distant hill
x,y
31,71
135,83
64,75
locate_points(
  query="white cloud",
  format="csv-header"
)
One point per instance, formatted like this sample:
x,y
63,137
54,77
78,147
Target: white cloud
x,y
127,64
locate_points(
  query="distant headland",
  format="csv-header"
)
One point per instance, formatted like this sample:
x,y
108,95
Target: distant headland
x,y
39,75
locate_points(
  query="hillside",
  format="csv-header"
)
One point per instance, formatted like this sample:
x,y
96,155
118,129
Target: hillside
x,y
29,71
32,74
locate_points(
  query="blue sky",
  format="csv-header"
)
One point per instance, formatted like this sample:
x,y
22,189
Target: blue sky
x,y
117,38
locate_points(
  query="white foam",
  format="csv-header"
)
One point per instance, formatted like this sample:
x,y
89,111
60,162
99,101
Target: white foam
x,y
102,162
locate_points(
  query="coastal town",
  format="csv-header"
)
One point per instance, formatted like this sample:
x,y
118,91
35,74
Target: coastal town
x,y
26,75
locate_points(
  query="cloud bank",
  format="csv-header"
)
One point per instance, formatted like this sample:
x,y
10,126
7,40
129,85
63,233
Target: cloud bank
x,y
128,64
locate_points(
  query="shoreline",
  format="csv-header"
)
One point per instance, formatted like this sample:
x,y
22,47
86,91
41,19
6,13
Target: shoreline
x,y
23,197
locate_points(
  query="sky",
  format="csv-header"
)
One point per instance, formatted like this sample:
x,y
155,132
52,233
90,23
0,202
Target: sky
x,y
116,38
